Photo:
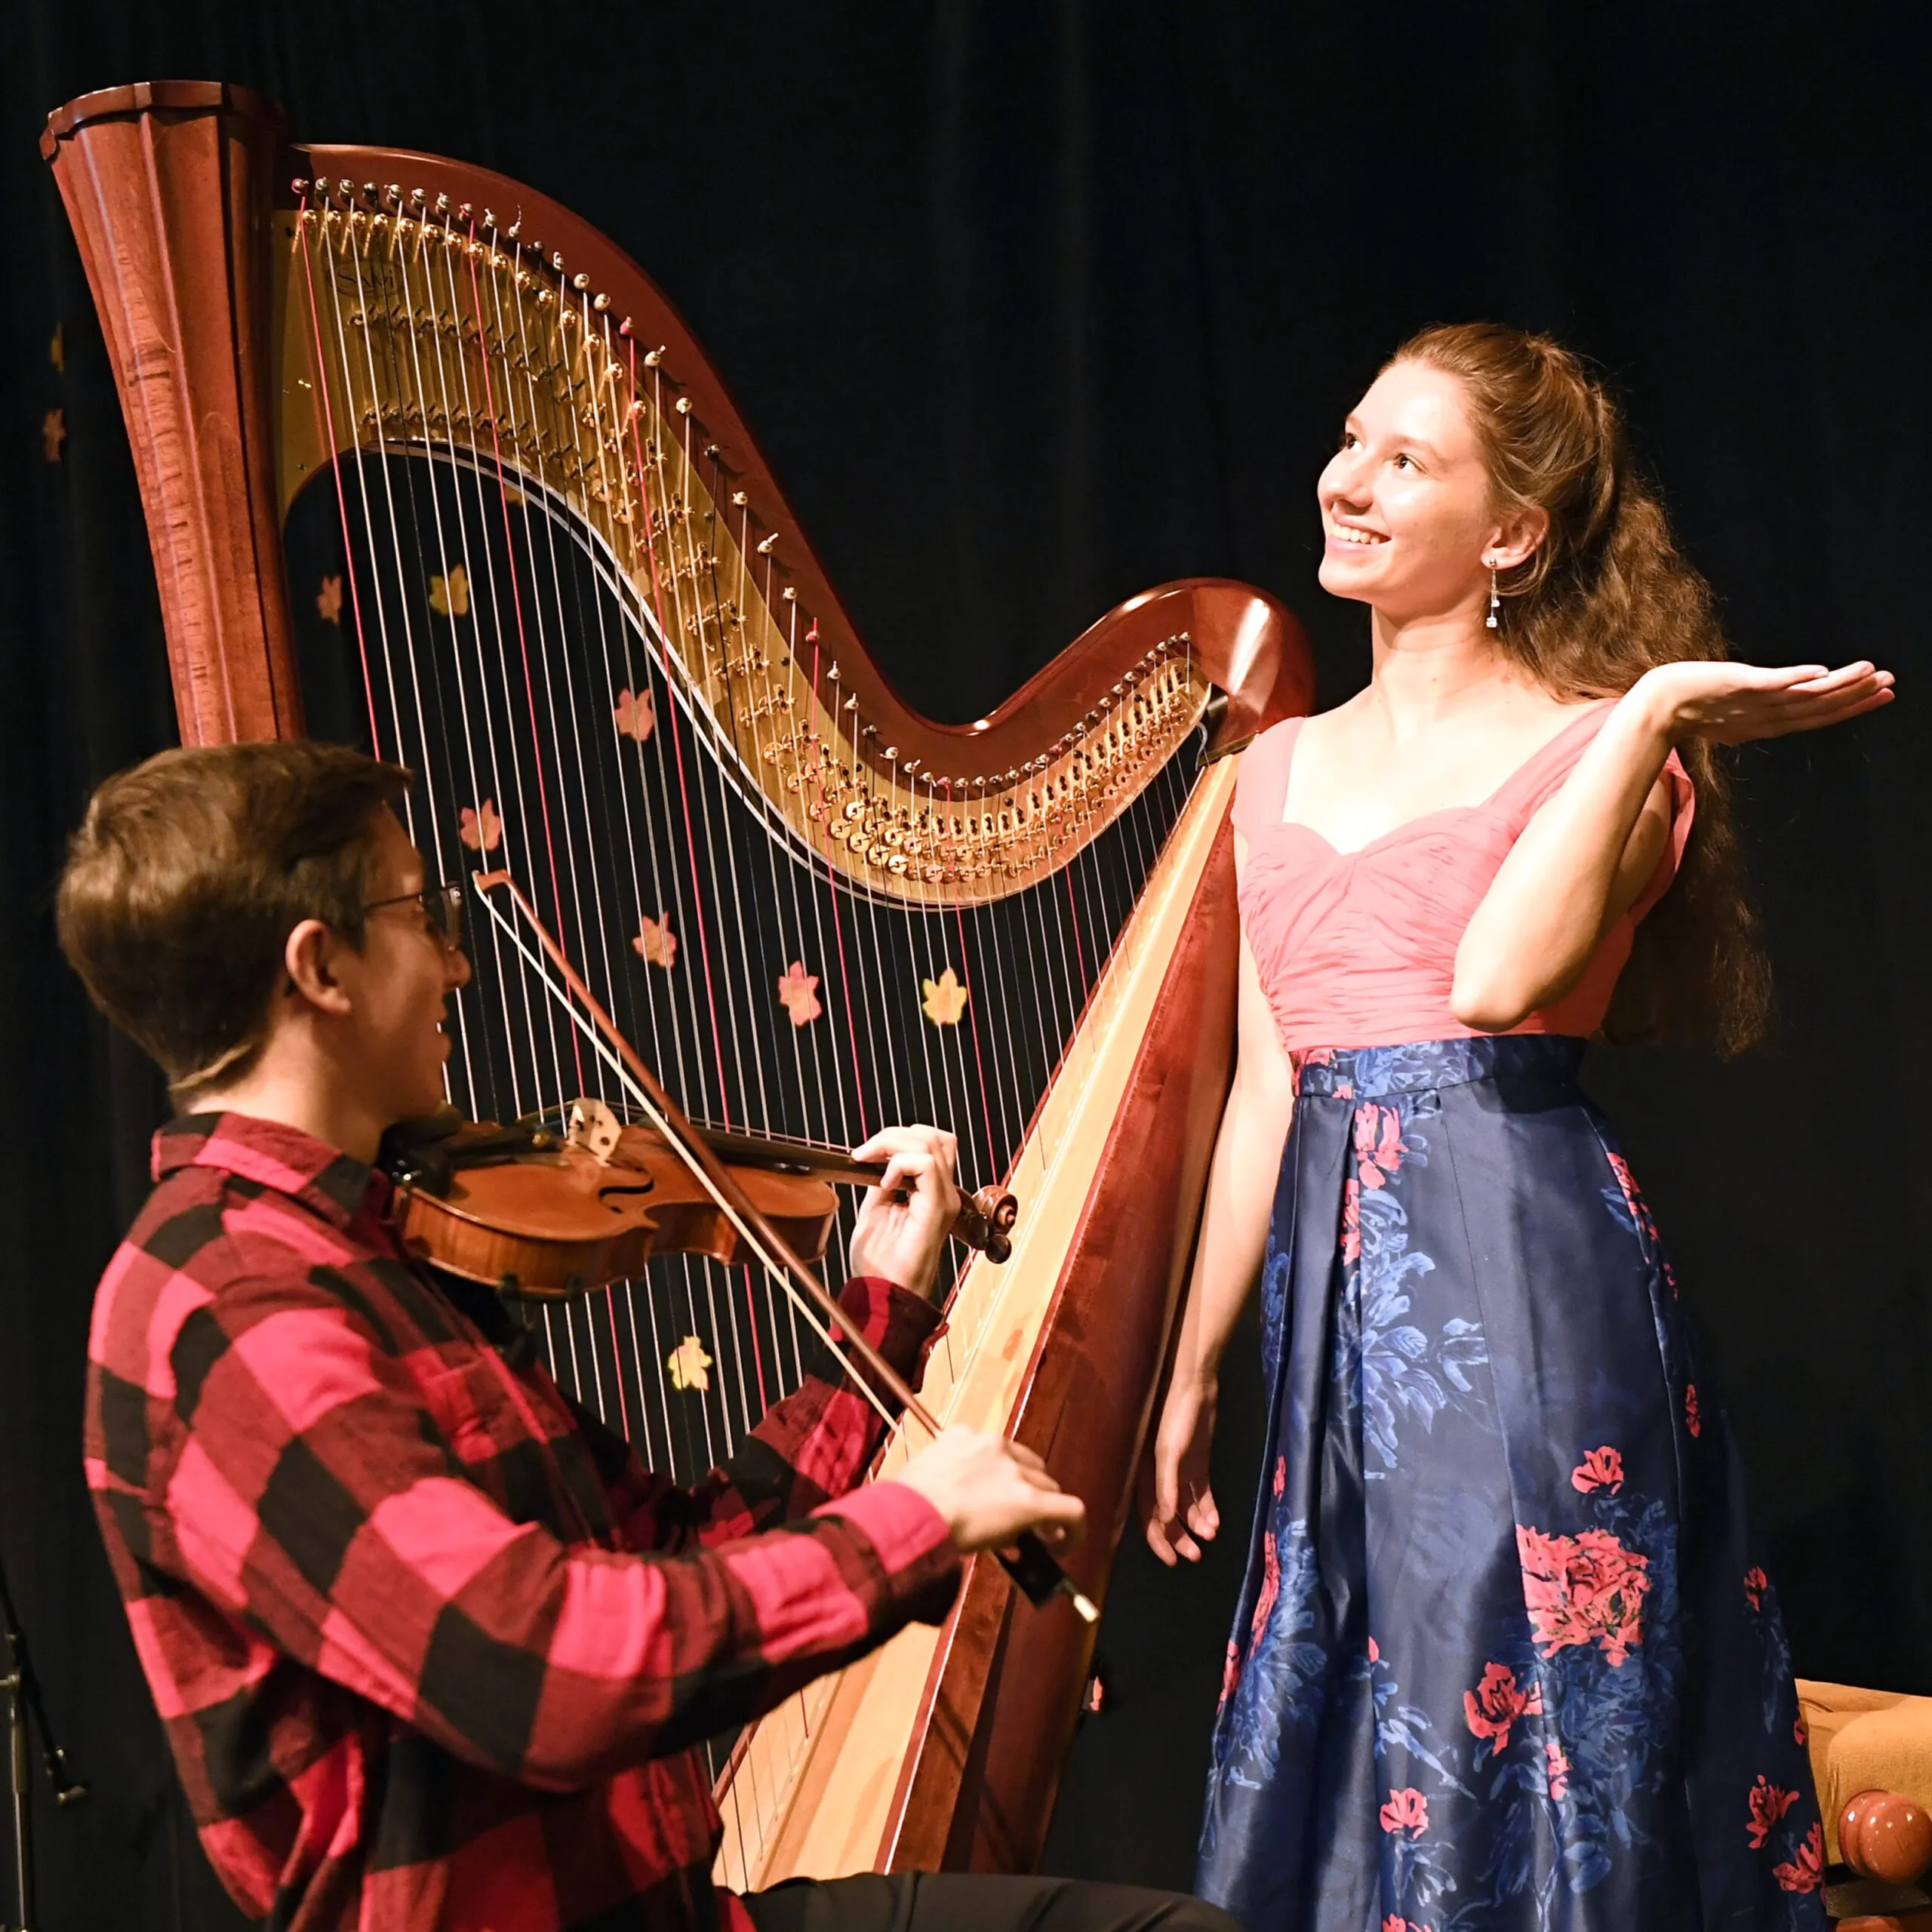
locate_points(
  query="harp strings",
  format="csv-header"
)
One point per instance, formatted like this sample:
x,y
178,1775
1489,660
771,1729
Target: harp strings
x,y
506,702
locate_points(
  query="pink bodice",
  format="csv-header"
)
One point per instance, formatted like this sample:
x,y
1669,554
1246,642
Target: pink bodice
x,y
1358,949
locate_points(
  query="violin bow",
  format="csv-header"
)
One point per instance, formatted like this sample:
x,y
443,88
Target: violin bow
x,y
1031,1565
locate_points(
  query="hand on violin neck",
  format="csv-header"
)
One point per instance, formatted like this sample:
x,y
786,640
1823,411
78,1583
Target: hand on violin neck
x,y
903,1224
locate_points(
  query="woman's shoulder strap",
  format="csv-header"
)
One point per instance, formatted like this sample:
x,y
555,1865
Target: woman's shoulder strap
x,y
1261,785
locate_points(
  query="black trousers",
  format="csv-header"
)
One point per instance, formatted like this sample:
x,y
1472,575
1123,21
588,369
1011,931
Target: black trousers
x,y
968,1901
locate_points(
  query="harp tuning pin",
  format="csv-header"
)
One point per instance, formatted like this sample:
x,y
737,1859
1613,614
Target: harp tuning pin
x,y
652,357
392,194
790,594
369,192
299,186
344,185
464,213
624,328
489,217
417,195
557,263
580,282
442,204
683,405
600,303
515,227
832,676
851,704
766,545
739,500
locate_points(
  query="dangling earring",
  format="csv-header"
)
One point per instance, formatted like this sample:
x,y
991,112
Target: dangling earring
x,y
1495,602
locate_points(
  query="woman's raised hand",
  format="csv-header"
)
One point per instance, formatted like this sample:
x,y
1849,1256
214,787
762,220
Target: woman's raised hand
x,y
1730,703
1181,1506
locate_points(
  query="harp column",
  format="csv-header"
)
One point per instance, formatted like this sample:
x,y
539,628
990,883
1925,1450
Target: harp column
x,y
169,186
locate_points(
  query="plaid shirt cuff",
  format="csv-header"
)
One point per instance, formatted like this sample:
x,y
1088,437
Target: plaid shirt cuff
x,y
904,1327
914,1548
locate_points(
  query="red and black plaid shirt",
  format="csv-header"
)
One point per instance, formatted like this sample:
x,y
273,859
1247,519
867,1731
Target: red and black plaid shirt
x,y
432,1648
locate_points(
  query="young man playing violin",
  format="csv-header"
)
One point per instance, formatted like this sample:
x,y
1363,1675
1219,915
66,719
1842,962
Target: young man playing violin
x,y
432,1648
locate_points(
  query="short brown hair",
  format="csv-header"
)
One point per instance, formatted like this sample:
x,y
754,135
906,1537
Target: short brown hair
x,y
187,875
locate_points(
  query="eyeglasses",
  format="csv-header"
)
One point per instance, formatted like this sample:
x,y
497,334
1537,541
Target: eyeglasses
x,y
442,906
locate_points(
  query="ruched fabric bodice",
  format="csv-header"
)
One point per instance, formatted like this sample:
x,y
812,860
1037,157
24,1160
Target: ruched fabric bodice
x,y
1358,949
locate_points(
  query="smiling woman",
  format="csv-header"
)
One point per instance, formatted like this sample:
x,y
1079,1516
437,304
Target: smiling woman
x,y
1497,1663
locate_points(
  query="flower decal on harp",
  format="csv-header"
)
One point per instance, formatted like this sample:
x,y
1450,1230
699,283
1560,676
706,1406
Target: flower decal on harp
x,y
655,944
689,1366
480,827
328,601
449,596
798,994
635,714
944,1002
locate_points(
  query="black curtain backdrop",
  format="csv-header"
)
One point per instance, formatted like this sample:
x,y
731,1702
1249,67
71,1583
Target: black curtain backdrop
x,y
1033,307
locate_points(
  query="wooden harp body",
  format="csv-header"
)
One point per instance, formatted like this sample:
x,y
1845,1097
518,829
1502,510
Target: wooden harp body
x,y
429,464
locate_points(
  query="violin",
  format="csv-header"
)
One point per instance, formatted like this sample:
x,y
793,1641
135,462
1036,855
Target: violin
x,y
1032,1565
541,1214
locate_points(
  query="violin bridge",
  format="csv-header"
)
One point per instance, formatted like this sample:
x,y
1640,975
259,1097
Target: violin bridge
x,y
594,1127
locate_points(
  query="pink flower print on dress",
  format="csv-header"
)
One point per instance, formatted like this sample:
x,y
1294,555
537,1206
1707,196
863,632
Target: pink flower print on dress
x,y
1693,1421
1378,1144
1600,1468
1806,1871
1557,1769
1351,1219
1799,1732
1583,1590
1374,1651
1407,1810
1755,1584
1626,1182
1496,1703
1769,1803
1230,1674
1271,1587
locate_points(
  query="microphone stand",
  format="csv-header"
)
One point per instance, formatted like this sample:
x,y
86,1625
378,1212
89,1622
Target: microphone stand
x,y
24,1711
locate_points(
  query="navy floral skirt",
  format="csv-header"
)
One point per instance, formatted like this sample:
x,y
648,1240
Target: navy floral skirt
x,y
1507,1656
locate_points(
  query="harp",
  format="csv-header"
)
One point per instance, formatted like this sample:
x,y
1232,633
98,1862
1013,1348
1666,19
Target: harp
x,y
429,464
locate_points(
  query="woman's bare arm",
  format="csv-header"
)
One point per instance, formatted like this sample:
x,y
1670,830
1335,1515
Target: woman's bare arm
x,y
1578,865
1227,1258
1590,851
